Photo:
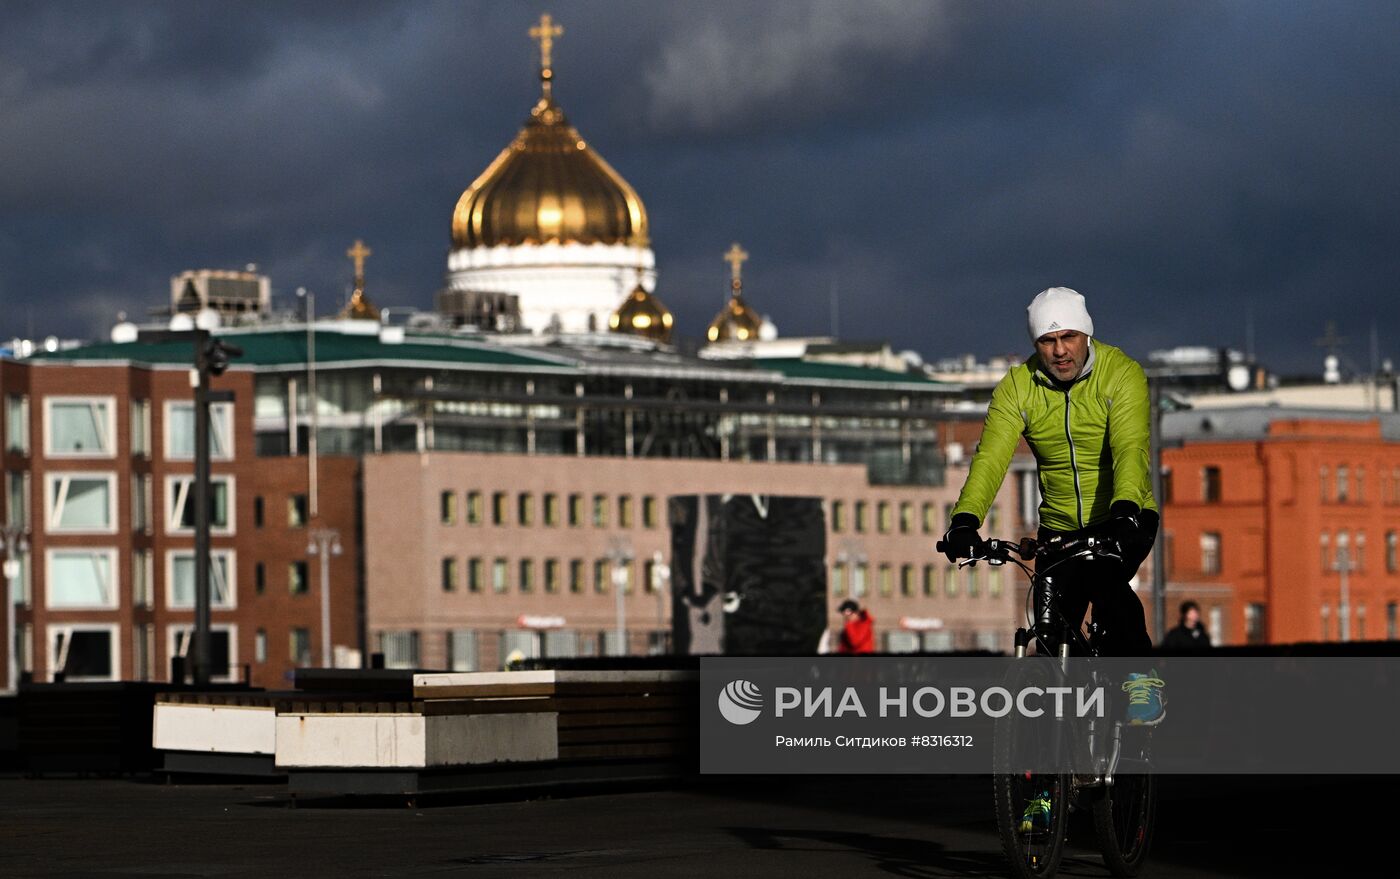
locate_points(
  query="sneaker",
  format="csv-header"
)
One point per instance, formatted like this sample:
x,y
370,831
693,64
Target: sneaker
x,y
1037,814
1146,705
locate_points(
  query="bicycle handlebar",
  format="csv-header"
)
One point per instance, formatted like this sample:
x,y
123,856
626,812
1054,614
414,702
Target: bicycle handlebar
x,y
998,549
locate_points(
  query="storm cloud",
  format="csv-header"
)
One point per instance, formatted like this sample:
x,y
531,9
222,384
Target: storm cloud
x,y
927,165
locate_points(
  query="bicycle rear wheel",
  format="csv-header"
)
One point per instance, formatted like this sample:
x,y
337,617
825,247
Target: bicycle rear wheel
x,y
1032,834
1124,816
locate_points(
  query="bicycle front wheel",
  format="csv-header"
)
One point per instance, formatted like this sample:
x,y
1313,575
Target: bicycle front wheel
x,y
1032,805
1123,820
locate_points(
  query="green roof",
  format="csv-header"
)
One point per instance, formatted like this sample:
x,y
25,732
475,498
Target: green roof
x,y
820,371
271,349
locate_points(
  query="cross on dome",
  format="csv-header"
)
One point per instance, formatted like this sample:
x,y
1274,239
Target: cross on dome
x,y
544,34
736,256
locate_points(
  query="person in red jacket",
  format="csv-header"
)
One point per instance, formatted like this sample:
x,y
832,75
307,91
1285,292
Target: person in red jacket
x,y
858,632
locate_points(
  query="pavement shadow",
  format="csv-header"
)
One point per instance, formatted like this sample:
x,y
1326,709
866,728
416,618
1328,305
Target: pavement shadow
x,y
894,855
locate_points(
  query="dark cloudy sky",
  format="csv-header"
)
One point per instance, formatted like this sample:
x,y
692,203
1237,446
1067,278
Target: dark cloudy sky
x,y
1182,164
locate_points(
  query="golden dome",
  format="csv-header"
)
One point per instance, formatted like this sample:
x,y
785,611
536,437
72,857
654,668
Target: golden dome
x,y
548,186
642,314
736,322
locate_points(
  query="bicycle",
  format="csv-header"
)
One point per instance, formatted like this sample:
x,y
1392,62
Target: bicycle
x,y
1123,806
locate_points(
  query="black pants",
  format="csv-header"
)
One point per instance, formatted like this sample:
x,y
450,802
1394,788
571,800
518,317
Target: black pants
x,y
1104,583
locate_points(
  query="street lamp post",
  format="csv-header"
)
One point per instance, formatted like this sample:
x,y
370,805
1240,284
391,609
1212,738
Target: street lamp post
x,y
325,542
16,544
660,583
620,554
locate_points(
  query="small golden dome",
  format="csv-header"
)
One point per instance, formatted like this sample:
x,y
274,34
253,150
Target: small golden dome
x,y
548,186
642,314
736,322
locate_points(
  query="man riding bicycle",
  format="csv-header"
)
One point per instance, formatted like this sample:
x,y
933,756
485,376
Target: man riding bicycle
x,y
1083,409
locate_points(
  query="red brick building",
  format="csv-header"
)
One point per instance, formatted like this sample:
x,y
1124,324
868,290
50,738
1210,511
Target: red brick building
x,y
1268,513
98,474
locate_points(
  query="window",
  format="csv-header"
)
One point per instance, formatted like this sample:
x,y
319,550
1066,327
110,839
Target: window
x,y
474,508
179,430
179,578
525,509
551,575
551,509
82,503
972,584
1210,553
1210,485
84,653
600,511
260,646
1360,552
527,575
649,510
950,583
180,508
1254,624
297,511
223,648
883,517
499,576
82,578
838,516
1326,622
624,511
79,427
1392,552
994,575
17,424
1343,556
930,519
17,499
1343,485
298,578
447,508
575,575
498,508
1322,482
449,574
299,646
860,574
141,503
930,580
838,579
906,517
1392,620
993,522
600,576
461,650
1325,544
906,580
259,578
258,512
141,428
142,578
860,517
575,510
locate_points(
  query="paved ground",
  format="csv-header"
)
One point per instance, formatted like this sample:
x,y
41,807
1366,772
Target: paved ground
x,y
726,828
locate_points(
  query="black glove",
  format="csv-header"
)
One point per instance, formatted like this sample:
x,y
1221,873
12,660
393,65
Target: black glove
x,y
1124,527
961,538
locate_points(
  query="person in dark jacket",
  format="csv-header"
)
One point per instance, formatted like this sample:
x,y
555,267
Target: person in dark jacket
x,y
858,631
1189,634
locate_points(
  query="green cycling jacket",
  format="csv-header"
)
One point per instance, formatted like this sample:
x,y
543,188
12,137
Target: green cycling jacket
x,y
1090,440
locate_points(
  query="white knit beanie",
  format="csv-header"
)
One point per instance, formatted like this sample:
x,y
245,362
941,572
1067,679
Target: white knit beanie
x,y
1056,309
